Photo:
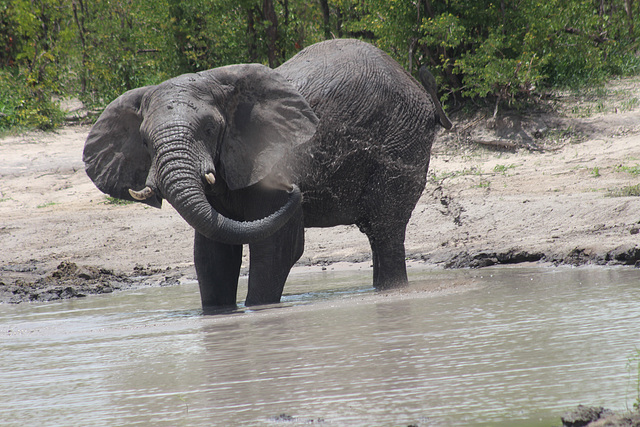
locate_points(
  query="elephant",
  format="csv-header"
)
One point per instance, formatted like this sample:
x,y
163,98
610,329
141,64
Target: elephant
x,y
340,134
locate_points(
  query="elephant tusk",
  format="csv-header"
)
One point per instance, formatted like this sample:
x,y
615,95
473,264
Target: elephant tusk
x,y
143,194
211,179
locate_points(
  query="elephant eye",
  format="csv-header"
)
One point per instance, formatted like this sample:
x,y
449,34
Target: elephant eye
x,y
210,130
145,140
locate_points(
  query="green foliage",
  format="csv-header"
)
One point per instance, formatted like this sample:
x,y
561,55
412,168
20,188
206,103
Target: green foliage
x,y
123,45
33,62
633,170
629,191
46,205
503,169
506,49
117,202
439,179
499,50
25,106
215,33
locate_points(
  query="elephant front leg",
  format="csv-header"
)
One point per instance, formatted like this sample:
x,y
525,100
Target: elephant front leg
x,y
217,267
271,260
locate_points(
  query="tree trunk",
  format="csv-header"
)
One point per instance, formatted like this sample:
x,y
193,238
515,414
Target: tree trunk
x,y
628,7
429,9
272,32
283,50
253,37
79,20
324,4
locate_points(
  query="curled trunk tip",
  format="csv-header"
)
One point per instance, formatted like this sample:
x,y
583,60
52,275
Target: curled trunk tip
x,y
189,200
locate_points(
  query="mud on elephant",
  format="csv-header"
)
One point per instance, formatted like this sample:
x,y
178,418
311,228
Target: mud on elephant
x,y
339,134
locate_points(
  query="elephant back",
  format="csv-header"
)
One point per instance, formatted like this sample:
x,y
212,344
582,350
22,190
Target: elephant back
x,y
352,83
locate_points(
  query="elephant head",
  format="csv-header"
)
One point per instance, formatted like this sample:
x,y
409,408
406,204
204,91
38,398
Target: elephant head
x,y
229,125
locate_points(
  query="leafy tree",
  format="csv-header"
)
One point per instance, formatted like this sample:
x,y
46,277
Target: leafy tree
x,y
7,36
500,50
123,46
36,35
504,49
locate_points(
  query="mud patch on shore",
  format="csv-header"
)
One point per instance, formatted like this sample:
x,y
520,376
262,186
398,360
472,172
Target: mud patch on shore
x,y
623,255
70,280
599,416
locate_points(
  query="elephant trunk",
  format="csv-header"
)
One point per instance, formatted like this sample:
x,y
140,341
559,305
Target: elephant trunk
x,y
181,183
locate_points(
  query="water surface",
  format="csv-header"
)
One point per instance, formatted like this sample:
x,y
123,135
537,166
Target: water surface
x,y
512,346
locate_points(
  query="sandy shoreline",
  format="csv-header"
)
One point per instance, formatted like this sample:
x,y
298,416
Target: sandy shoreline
x,y
558,203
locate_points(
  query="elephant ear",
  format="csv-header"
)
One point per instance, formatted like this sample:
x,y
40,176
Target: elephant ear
x,y
115,157
266,118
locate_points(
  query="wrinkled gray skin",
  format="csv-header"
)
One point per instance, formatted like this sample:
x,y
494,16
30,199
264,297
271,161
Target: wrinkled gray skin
x,y
233,149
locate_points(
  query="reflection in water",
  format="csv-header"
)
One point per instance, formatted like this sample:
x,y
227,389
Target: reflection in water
x,y
499,345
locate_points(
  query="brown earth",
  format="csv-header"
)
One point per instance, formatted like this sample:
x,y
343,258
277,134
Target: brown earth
x,y
555,186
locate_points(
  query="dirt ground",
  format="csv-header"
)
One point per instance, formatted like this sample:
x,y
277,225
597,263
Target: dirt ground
x,y
555,186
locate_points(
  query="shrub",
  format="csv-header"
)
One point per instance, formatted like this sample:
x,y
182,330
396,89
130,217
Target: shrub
x,y
24,106
502,51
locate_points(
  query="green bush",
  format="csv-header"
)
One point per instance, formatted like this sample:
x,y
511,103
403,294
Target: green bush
x,y
478,49
505,50
22,106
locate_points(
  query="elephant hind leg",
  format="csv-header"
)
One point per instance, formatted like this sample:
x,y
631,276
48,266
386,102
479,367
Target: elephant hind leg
x,y
387,249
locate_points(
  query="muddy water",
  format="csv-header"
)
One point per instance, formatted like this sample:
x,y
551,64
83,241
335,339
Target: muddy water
x,y
512,346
